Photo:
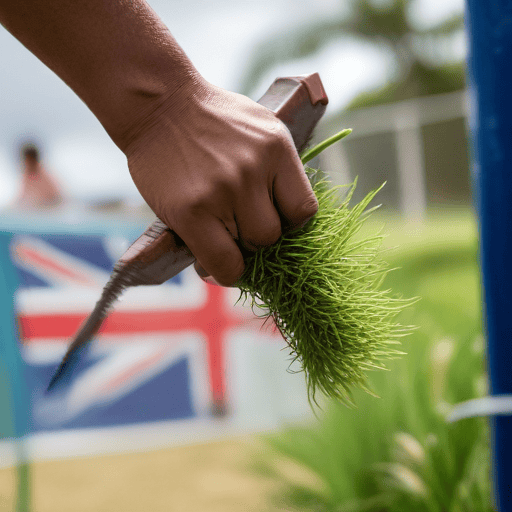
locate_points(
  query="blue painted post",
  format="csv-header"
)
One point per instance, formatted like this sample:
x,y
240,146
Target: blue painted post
x,y
11,372
489,24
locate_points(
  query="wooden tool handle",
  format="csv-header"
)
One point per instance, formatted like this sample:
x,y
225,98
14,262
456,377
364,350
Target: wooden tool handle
x,y
159,253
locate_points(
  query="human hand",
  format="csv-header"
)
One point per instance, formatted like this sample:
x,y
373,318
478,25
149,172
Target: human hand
x,y
222,172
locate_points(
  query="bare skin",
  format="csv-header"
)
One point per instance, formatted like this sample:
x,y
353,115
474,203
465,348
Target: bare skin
x,y
216,167
38,190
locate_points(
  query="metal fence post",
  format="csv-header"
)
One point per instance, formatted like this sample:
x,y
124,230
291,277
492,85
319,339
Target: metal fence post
x,y
11,363
489,26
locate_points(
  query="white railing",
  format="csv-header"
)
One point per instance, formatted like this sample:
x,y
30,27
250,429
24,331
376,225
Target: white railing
x,y
404,119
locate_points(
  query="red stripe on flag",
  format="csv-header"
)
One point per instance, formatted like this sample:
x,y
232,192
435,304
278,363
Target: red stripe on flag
x,y
66,325
129,373
213,319
30,256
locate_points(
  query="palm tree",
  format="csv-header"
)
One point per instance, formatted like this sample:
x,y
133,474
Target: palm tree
x,y
417,54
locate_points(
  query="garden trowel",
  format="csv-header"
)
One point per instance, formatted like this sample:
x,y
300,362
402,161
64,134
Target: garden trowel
x,y
159,254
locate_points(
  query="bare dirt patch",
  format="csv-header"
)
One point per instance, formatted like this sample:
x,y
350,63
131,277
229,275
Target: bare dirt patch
x,y
210,477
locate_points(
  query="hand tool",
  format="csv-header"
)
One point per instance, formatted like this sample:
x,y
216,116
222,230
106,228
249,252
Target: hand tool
x,y
159,253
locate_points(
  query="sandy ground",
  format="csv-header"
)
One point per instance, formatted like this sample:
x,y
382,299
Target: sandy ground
x,y
210,477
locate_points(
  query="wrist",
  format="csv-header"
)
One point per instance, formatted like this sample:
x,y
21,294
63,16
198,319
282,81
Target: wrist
x,y
147,100
165,114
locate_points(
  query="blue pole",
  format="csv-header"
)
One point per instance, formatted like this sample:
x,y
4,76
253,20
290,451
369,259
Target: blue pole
x,y
489,24
11,372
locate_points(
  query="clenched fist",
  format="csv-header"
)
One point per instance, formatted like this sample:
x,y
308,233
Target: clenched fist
x,y
222,172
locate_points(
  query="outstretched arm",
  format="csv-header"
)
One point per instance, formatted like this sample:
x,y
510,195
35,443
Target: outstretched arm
x,y
215,166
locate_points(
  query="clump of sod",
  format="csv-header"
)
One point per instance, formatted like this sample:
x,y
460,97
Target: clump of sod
x,y
322,286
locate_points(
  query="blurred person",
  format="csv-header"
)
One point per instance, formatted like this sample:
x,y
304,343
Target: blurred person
x,y
216,167
39,190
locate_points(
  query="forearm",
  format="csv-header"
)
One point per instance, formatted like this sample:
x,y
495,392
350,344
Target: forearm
x,y
116,55
216,167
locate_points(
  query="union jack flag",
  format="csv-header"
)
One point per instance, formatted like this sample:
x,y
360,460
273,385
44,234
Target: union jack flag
x,y
160,355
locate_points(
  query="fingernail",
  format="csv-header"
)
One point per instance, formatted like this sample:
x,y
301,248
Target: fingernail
x,y
300,226
210,280
201,272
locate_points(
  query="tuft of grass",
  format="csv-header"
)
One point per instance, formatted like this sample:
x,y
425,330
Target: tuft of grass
x,y
397,453
322,287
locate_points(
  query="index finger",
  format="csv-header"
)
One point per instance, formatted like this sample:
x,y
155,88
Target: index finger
x,y
293,194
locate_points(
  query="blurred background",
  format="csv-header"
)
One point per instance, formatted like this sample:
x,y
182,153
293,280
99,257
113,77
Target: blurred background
x,y
394,72
367,53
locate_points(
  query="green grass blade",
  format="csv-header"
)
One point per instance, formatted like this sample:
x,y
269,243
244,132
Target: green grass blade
x,y
311,153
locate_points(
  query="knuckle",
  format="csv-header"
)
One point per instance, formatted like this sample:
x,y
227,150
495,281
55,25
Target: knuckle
x,y
248,167
199,200
281,139
193,207
273,233
311,206
306,210
268,236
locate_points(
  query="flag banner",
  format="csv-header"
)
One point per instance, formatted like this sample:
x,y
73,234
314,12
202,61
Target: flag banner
x,y
161,354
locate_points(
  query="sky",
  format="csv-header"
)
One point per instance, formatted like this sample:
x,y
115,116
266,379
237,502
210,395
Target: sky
x,y
218,37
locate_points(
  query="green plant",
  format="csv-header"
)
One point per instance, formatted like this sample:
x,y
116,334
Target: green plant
x,y
397,453
322,286
420,60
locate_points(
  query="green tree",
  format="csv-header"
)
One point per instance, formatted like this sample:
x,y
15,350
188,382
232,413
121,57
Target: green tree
x,y
419,56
